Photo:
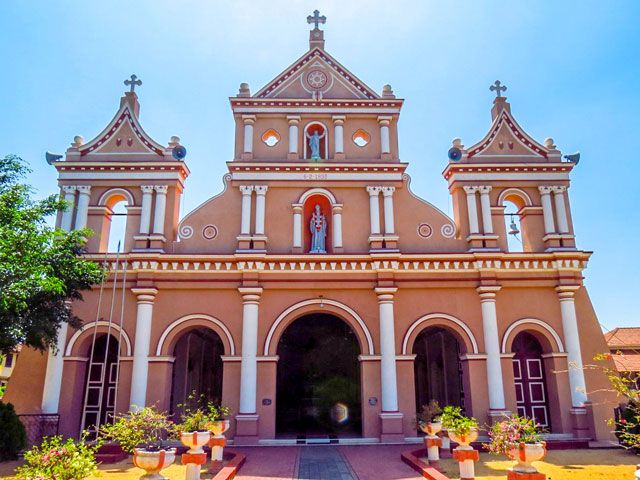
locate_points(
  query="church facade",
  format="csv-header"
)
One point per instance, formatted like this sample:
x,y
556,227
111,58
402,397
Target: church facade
x,y
316,294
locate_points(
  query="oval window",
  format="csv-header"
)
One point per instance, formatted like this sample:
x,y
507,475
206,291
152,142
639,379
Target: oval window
x,y
270,137
361,138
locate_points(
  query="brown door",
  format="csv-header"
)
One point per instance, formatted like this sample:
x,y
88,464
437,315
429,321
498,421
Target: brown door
x,y
529,376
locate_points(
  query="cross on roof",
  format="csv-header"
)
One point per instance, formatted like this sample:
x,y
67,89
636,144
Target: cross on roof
x,y
316,18
498,88
133,82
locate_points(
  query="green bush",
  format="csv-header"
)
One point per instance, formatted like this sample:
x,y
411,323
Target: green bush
x,y
141,428
13,437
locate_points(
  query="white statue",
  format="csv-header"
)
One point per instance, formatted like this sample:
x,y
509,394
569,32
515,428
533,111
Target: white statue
x,y
318,228
314,144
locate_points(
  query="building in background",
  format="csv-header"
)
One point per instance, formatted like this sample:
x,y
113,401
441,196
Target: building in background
x,y
7,364
624,345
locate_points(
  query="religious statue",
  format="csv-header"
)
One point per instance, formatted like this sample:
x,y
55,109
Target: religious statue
x,y
314,144
318,228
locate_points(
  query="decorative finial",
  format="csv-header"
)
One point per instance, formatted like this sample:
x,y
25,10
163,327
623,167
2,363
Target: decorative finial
x,y
244,90
387,92
549,143
78,141
133,83
316,19
174,141
498,88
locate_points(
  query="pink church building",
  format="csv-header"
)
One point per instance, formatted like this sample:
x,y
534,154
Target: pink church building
x,y
316,294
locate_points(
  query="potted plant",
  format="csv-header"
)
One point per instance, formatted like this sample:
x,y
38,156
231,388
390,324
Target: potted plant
x,y
219,415
520,439
461,429
428,418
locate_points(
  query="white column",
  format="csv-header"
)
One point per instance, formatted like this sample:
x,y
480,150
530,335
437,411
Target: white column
x,y
547,210
145,213
140,368
387,195
67,213
561,209
249,364
374,209
485,206
293,133
336,224
472,209
84,194
492,346
577,382
297,226
248,132
338,133
245,221
53,374
261,192
388,376
385,145
161,205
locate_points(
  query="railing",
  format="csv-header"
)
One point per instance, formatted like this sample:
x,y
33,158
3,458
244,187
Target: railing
x,y
39,425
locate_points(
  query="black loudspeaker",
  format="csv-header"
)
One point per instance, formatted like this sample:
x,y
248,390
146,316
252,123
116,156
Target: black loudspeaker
x,y
454,154
179,152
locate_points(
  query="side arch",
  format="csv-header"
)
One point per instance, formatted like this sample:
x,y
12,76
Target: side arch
x,y
118,194
173,331
443,320
515,192
317,191
102,327
536,325
339,309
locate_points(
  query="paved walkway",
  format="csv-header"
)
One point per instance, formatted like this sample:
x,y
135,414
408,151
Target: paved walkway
x,y
361,462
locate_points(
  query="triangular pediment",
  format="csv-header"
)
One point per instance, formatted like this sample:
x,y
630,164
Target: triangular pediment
x,y
317,75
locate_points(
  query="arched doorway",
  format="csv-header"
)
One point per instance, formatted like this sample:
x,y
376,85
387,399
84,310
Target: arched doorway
x,y
101,380
437,368
318,379
197,370
532,399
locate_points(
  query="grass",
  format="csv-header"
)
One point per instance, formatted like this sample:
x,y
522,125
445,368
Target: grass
x,y
601,464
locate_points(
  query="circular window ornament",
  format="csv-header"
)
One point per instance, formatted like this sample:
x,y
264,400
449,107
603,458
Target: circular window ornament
x,y
425,230
361,138
317,79
210,232
270,137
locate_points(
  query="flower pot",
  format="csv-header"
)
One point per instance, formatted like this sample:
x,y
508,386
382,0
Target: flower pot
x,y
431,428
153,462
195,440
464,440
219,427
524,454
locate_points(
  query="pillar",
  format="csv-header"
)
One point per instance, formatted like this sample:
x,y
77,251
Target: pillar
x,y
387,195
485,206
248,121
67,213
374,209
561,209
140,368
338,135
547,210
388,380
145,213
245,221
161,205
53,374
336,223
472,209
248,365
84,193
577,382
297,226
492,349
385,144
293,136
261,192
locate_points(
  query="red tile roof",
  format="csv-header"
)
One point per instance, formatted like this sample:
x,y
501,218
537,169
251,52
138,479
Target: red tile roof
x,y
626,363
628,337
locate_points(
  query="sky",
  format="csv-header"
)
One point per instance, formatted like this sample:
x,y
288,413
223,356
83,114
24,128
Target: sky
x,y
572,70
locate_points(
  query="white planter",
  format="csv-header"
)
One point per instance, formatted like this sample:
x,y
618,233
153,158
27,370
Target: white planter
x,y
446,441
195,440
431,428
525,453
464,441
153,462
219,427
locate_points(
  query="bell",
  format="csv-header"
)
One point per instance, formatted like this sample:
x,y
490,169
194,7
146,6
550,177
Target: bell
x,y
513,228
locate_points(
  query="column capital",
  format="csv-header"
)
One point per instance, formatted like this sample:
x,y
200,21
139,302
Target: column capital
x,y
336,208
567,292
558,189
261,189
293,119
84,189
147,188
545,189
246,189
69,188
384,120
388,191
488,292
250,294
161,189
145,295
297,207
248,119
385,294
374,190
485,188
470,189
338,119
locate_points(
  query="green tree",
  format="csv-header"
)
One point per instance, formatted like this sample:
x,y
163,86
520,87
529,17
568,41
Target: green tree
x,y
41,268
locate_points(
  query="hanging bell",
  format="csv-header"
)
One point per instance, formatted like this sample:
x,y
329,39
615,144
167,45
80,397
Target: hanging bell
x,y
513,228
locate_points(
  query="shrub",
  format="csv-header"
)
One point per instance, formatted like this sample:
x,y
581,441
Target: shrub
x,y
513,430
454,421
13,437
430,413
199,413
54,459
143,428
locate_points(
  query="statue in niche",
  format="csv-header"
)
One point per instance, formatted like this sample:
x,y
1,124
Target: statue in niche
x,y
314,144
318,228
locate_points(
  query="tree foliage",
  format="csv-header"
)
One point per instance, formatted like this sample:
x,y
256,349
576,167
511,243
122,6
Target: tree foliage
x,y
41,268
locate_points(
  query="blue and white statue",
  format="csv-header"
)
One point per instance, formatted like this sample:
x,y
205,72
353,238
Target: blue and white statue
x,y
314,144
318,228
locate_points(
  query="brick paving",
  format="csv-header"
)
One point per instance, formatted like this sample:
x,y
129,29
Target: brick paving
x,y
323,463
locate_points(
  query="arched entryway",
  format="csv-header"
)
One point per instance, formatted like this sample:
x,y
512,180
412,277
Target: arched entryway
x,y
197,370
532,399
318,378
437,368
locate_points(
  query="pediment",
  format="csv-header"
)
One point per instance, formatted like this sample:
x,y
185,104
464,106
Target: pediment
x,y
317,75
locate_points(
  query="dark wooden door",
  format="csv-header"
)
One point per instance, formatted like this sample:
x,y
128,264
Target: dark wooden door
x,y
530,382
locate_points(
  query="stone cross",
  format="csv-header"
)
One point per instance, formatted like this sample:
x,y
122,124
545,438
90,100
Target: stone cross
x,y
498,88
133,82
316,18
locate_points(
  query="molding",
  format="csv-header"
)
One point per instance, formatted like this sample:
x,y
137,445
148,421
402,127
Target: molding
x,y
195,316
100,323
435,316
531,321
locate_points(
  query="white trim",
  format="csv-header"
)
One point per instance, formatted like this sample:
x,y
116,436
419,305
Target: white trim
x,y
430,316
317,191
533,321
101,323
515,191
316,301
532,176
324,176
199,316
342,109
114,191
112,175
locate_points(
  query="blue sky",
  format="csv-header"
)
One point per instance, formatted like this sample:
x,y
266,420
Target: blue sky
x,y
571,67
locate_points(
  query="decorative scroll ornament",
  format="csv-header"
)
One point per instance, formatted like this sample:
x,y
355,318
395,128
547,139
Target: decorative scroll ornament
x,y
425,230
186,232
210,232
448,230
